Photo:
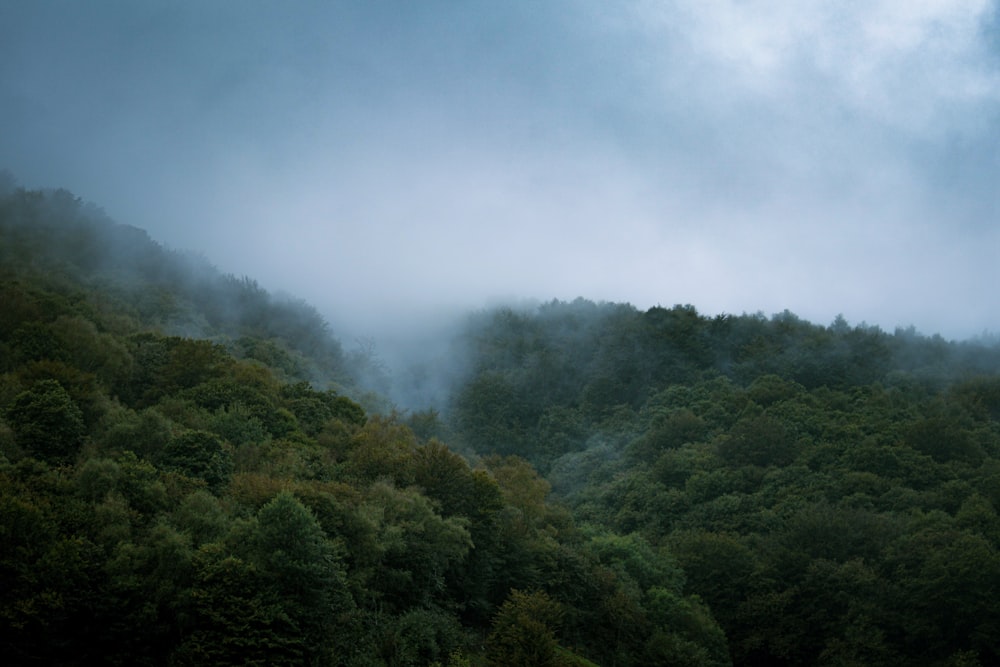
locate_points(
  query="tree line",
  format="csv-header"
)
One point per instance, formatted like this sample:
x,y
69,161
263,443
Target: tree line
x,y
184,481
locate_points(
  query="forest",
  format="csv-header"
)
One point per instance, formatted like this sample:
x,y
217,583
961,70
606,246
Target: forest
x,y
194,471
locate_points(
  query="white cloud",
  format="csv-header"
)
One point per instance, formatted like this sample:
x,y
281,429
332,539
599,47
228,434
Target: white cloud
x,y
906,63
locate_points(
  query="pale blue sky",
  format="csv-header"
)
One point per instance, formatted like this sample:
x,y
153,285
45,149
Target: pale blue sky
x,y
392,160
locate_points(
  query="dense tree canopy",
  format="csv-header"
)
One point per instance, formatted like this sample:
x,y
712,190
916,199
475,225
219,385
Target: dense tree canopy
x,y
184,481
187,477
815,485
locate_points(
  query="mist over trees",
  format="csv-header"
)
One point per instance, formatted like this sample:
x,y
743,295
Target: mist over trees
x,y
59,240
816,485
570,366
194,471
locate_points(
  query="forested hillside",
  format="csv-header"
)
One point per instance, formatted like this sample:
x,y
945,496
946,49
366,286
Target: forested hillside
x,y
187,477
829,492
184,481
54,240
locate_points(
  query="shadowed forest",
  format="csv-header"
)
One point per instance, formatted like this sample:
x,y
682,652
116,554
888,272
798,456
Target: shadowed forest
x,y
194,471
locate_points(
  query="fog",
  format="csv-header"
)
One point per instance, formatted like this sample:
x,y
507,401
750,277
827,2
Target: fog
x,y
396,164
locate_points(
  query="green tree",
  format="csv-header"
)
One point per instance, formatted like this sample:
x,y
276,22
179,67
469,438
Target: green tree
x,y
146,598
382,448
418,550
445,477
47,423
300,572
232,622
198,454
201,516
524,631
491,415
762,441
685,632
946,582
944,439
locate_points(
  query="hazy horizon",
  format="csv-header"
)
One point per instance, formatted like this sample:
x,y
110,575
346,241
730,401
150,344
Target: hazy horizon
x,y
396,163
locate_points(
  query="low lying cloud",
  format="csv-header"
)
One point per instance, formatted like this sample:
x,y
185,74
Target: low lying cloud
x,y
393,163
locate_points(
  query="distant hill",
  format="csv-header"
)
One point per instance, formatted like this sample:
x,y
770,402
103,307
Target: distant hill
x,y
55,239
830,491
521,366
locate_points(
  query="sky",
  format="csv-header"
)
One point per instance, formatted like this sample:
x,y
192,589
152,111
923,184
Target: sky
x,y
394,163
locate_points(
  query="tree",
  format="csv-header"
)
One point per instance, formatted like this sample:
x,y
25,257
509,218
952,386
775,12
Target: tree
x,y
946,582
232,622
417,549
445,477
491,415
47,423
524,631
382,448
300,572
943,439
762,440
149,583
198,454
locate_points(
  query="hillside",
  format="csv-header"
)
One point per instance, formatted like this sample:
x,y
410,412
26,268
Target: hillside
x,y
830,492
189,475
183,482
58,242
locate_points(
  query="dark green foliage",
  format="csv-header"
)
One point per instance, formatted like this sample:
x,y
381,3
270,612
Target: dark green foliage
x,y
787,466
421,637
201,517
445,477
427,425
35,342
759,440
981,396
146,433
233,623
493,415
271,353
524,631
315,408
419,550
198,454
299,572
47,423
944,439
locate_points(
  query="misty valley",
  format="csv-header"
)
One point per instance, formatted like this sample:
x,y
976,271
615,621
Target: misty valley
x,y
196,471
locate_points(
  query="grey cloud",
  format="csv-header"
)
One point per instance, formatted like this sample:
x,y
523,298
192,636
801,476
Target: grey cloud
x,y
386,158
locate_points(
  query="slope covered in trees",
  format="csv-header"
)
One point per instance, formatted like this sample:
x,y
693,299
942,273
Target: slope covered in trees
x,y
829,492
53,240
183,481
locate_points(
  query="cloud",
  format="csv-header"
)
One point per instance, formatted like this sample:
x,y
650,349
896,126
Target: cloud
x,y
389,159
895,60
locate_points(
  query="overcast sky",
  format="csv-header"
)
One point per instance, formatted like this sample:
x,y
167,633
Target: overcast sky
x,y
387,160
